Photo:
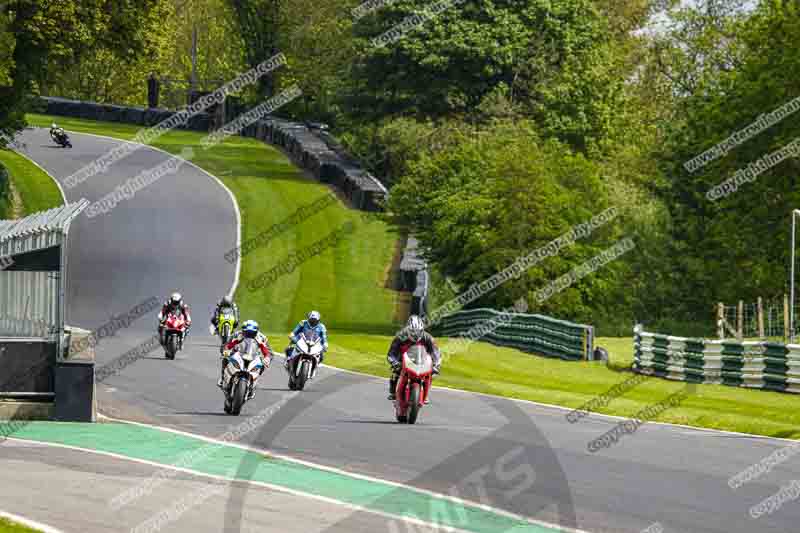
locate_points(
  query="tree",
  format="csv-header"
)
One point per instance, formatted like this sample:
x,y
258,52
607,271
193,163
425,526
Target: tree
x,y
259,24
46,32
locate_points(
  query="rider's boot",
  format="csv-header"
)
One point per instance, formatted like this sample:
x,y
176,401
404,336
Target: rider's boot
x,y
222,373
392,387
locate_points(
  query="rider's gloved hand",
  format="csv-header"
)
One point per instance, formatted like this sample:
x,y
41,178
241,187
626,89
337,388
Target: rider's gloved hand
x,y
436,370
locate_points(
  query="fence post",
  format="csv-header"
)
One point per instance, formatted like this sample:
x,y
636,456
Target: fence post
x,y
760,318
721,320
785,317
740,321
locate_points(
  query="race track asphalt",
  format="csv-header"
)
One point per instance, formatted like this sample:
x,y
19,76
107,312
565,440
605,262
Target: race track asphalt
x,y
520,457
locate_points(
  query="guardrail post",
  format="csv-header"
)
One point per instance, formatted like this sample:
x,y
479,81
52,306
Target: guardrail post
x,y
760,318
740,321
786,332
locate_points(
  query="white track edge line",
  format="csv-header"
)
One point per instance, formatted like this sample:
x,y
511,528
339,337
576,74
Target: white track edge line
x,y
29,523
202,170
591,413
530,402
58,184
363,477
263,484
287,458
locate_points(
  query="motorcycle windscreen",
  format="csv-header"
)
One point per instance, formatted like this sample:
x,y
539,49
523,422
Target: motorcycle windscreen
x,y
417,359
226,313
248,349
311,336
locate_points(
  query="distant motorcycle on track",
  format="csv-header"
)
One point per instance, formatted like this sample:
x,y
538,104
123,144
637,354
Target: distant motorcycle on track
x,y
225,323
61,138
174,333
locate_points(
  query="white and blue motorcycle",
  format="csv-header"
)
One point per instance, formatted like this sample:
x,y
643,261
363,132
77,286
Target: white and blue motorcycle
x,y
241,374
303,365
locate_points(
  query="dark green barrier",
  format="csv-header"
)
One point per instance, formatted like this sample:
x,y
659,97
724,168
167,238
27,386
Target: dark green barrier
x,y
537,334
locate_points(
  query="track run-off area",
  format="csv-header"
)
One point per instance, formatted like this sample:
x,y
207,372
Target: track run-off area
x,y
331,457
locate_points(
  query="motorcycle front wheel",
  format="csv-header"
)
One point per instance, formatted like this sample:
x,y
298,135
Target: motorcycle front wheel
x,y
300,379
413,403
238,395
172,346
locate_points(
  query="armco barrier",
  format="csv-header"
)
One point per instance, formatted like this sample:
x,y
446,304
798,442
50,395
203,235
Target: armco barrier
x,y
538,334
752,364
311,151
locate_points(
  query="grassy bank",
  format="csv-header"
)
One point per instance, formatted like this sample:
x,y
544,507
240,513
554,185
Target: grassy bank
x,y
345,282
7,526
507,372
35,189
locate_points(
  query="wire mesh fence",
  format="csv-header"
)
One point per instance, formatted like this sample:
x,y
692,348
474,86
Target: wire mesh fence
x,y
763,319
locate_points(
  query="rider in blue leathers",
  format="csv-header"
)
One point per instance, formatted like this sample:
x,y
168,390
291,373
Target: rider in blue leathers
x,y
311,323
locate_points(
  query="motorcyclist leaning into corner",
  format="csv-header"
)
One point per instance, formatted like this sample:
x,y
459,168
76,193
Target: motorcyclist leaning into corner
x,y
312,322
412,333
175,305
56,131
226,301
249,330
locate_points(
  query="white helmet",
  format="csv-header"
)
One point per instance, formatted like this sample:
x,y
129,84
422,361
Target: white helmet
x,y
313,318
415,327
53,126
175,299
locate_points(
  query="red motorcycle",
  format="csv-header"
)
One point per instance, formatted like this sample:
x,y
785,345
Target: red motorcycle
x,y
414,383
174,331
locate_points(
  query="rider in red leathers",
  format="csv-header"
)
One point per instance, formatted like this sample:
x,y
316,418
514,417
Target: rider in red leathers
x,y
174,305
413,332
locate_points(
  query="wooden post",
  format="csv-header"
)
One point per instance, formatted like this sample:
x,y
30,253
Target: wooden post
x,y
740,321
721,320
785,316
760,318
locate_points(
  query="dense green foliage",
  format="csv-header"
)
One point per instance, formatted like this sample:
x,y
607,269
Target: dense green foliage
x,y
500,124
41,38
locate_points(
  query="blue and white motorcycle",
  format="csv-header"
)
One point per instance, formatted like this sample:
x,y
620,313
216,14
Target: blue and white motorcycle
x,y
303,366
241,374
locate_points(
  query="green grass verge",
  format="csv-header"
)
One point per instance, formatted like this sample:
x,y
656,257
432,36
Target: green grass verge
x,y
345,283
507,372
36,189
7,526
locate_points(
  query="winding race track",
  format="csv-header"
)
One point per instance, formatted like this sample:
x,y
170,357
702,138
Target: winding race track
x,y
514,456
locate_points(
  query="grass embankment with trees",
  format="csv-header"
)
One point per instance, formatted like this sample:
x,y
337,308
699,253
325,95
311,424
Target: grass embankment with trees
x,y
348,283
